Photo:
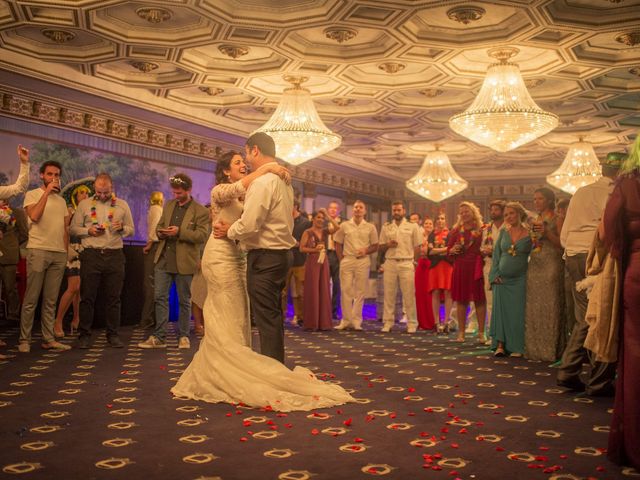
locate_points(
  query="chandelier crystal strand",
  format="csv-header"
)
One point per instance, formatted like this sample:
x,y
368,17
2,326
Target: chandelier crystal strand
x,y
579,168
436,180
503,116
296,127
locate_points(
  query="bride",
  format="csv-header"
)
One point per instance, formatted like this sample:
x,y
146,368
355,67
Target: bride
x,y
225,368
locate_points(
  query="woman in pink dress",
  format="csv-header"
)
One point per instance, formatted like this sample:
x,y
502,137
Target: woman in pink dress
x,y
424,309
440,269
467,283
317,294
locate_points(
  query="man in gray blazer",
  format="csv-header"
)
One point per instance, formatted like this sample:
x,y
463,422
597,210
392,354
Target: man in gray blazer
x,y
182,229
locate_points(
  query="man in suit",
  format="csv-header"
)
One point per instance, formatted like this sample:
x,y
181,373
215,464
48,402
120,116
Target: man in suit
x,y
265,230
182,230
333,209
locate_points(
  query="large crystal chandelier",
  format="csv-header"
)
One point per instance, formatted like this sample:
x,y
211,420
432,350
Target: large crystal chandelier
x,y
436,180
296,127
579,168
503,116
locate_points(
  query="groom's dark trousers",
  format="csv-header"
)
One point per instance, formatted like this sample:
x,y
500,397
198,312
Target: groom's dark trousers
x,y
266,276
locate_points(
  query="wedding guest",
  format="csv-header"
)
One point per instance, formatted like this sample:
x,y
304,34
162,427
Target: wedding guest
x,y
467,282
415,218
424,309
295,275
13,232
489,236
621,232
317,297
545,332
583,217
182,229
440,270
400,240
46,256
22,183
199,290
508,277
148,315
72,271
101,221
569,307
356,240
333,209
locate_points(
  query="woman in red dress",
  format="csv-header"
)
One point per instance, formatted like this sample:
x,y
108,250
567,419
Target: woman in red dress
x,y
440,270
467,283
622,233
423,295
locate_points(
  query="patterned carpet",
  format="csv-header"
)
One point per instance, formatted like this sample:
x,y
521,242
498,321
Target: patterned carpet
x,y
427,408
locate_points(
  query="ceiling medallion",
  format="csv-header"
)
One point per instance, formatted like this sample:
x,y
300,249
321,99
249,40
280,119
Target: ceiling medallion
x,y
144,67
466,14
211,91
391,67
630,39
635,71
233,51
154,14
343,102
431,92
534,82
59,36
340,34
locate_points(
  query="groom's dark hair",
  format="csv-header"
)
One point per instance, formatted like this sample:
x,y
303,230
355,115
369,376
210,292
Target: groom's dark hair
x,y
264,142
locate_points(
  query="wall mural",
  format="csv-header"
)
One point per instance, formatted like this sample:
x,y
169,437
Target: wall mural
x,y
133,178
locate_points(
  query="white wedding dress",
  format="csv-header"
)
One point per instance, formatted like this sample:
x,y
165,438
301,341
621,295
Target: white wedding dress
x,y
225,368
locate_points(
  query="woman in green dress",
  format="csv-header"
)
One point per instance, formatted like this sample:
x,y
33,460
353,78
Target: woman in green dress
x,y
508,279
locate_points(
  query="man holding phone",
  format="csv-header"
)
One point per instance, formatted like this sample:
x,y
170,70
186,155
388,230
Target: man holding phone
x,y
101,221
48,220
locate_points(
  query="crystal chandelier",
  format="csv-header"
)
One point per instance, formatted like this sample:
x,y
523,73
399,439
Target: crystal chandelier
x,y
296,127
503,116
579,168
436,180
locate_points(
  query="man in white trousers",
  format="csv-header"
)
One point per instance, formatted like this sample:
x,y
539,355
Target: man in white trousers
x,y
355,241
401,240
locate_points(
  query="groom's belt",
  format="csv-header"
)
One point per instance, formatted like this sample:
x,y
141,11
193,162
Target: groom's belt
x,y
270,250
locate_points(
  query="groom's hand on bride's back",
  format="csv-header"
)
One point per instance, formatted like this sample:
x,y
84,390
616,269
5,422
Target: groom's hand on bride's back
x,y
220,229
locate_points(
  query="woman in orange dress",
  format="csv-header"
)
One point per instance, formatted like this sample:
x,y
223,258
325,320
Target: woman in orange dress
x,y
440,270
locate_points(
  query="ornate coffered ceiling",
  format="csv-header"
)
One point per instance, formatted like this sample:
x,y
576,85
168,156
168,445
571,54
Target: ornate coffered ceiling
x,y
386,75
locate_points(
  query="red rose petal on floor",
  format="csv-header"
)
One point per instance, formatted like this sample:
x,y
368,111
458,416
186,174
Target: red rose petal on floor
x,y
288,425
370,418
436,467
238,412
358,440
480,438
428,409
600,468
109,405
270,422
462,430
544,449
347,422
411,414
243,439
393,415
453,473
246,424
541,458
499,449
411,389
438,456
227,414
444,430
315,431
424,434
563,456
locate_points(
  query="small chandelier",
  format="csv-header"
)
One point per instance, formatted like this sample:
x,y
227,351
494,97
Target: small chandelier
x,y
436,180
296,127
579,168
503,116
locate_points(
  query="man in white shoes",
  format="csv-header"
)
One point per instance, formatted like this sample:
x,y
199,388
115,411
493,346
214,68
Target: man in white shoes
x,y
48,220
355,241
182,229
401,241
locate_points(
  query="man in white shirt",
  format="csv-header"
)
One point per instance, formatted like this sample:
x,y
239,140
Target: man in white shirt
x,y
148,316
579,227
355,241
401,241
265,230
333,209
8,191
46,255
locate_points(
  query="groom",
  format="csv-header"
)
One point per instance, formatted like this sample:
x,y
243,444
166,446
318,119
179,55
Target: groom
x,y
265,230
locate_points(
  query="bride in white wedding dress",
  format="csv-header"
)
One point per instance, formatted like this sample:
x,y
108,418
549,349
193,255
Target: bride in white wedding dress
x,y
225,368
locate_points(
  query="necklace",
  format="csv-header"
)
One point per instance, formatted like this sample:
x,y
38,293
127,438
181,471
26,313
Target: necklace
x,y
94,216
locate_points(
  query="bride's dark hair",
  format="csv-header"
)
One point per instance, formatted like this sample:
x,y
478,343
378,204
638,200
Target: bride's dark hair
x,y
224,163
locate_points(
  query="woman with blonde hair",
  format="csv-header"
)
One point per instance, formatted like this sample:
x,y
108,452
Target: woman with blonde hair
x,y
508,279
467,282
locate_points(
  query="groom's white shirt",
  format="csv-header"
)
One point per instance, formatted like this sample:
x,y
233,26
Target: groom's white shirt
x,y
267,218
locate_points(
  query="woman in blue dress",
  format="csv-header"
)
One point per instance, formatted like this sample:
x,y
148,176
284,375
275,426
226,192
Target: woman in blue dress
x,y
508,279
